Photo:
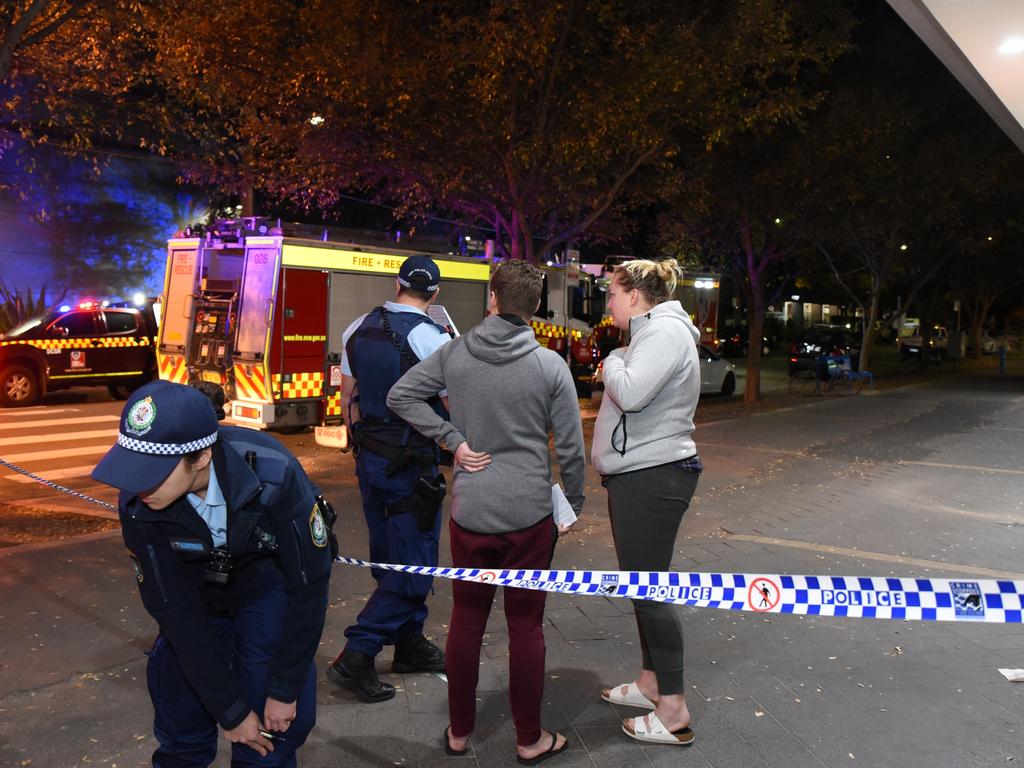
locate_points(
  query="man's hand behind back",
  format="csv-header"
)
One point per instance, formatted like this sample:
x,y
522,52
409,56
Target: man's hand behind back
x,y
470,460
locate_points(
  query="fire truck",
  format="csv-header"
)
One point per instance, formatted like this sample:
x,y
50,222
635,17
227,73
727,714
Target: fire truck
x,y
260,311
571,308
698,293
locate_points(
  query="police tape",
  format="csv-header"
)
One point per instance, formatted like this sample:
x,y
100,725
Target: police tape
x,y
911,599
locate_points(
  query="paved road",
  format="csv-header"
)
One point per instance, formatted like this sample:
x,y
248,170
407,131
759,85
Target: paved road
x,y
917,481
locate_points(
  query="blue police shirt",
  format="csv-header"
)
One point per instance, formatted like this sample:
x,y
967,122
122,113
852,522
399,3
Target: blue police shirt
x,y
213,509
425,339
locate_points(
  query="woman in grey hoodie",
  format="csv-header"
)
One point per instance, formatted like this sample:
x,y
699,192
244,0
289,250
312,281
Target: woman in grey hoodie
x,y
644,450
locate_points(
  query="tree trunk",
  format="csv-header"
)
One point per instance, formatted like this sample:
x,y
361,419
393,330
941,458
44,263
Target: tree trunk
x,y
868,338
976,329
247,196
755,331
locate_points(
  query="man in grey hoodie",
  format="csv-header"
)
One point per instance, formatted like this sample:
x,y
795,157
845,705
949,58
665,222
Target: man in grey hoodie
x,y
505,394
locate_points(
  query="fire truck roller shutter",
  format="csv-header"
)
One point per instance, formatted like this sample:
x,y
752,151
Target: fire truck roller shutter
x,y
353,294
176,329
257,296
466,302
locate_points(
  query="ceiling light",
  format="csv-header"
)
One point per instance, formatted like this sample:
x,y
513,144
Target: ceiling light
x,y
1012,46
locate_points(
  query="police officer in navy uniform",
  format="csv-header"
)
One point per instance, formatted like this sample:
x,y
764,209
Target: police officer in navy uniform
x,y
232,550
398,480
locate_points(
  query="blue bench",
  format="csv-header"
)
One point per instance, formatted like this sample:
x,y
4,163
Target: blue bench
x,y
840,368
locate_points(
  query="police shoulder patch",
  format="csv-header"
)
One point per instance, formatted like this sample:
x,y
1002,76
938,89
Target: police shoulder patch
x,y
137,566
317,527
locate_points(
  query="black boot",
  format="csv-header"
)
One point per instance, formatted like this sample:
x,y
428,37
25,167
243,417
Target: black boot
x,y
356,671
417,654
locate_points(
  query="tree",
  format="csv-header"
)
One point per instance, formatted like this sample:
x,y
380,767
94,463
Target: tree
x,y
988,265
64,66
751,217
538,119
912,164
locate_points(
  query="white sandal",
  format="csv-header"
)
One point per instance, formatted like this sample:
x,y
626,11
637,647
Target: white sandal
x,y
649,728
627,695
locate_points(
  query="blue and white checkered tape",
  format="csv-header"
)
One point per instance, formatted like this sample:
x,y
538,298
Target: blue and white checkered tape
x,y
911,599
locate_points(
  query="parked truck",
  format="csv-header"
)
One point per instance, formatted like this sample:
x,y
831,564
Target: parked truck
x,y
912,346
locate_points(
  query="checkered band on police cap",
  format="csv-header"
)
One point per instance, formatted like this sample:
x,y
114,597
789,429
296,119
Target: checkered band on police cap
x,y
420,273
165,449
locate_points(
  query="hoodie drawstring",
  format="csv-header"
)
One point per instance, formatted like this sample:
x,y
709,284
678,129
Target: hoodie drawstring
x,y
622,423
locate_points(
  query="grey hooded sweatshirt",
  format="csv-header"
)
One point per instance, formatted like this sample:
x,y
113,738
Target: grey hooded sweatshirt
x,y
651,390
505,393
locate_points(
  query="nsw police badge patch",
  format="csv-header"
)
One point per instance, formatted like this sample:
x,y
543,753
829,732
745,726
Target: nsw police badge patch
x,y
141,417
317,527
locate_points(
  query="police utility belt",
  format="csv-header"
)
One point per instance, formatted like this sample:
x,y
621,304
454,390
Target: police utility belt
x,y
429,489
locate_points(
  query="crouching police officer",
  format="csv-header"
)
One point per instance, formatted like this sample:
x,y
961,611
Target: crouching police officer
x,y
231,546
398,481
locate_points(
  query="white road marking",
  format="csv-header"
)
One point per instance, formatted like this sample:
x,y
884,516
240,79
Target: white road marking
x,y
61,422
966,467
58,437
55,474
881,556
35,411
21,458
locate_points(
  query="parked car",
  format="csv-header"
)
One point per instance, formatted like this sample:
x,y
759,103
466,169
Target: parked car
x,y
717,376
735,344
87,345
820,340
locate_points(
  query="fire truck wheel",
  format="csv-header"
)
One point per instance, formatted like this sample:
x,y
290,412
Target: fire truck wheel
x,y
18,386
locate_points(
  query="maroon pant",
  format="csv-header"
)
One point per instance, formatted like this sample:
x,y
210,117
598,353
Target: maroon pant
x,y
532,548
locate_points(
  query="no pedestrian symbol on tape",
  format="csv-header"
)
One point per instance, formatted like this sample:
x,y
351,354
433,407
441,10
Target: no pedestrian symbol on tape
x,y
763,595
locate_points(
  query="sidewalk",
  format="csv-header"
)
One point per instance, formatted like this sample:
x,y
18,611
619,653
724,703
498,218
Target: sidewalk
x,y
900,483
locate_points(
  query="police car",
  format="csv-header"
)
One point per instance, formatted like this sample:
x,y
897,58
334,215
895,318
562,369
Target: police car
x,y
92,344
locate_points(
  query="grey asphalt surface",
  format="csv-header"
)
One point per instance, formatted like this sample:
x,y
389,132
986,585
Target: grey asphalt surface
x,y
925,480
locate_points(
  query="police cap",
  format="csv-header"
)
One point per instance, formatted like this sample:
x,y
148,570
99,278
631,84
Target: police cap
x,y
420,273
160,423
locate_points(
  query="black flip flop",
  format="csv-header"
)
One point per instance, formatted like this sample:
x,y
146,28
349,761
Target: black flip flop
x,y
551,752
448,747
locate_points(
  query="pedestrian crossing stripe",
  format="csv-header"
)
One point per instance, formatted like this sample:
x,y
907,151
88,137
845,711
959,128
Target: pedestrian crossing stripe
x,y
997,601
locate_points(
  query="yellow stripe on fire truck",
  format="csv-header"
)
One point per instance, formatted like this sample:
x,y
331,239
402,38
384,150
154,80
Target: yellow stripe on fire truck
x,y
250,382
301,385
554,331
97,342
334,404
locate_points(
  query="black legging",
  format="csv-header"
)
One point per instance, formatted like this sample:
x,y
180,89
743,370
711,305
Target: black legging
x,y
646,508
